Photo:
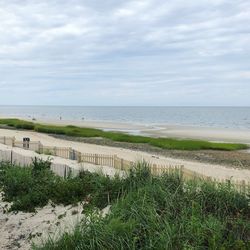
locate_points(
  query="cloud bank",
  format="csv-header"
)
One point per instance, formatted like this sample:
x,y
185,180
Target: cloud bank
x,y
112,52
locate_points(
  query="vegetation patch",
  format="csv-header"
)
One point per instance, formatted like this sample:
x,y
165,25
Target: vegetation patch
x,y
164,143
147,212
30,187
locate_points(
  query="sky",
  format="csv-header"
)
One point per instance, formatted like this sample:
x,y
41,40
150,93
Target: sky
x,y
113,52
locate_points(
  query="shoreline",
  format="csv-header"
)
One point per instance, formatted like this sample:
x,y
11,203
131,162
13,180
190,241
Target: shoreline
x,y
158,130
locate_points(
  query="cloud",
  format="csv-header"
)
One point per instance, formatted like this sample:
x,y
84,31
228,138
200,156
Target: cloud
x,y
135,52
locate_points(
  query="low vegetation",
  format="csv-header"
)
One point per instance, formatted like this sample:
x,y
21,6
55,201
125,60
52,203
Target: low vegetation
x,y
147,212
30,187
165,143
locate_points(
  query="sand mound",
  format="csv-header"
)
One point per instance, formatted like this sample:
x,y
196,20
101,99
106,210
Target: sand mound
x,y
19,230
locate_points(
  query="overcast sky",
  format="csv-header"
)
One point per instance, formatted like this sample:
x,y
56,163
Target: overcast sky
x,y
113,52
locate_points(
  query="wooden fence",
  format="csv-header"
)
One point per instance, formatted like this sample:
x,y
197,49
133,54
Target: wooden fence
x,y
112,161
7,140
98,159
55,151
23,160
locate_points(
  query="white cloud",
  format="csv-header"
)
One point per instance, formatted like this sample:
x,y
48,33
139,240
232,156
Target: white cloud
x,y
119,52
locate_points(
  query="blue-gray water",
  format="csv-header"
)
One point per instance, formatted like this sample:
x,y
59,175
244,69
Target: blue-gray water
x,y
224,117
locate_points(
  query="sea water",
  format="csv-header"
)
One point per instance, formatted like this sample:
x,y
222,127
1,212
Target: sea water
x,y
221,117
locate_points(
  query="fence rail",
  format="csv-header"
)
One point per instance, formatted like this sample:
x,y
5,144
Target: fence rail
x,y
107,160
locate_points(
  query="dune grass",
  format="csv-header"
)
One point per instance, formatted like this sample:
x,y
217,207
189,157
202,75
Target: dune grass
x,y
34,186
147,212
164,213
161,215
165,143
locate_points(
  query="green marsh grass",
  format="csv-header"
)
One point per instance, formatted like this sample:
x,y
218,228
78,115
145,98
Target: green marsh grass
x,y
165,143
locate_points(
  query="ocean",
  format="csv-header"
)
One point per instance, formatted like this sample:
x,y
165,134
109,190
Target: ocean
x,y
219,117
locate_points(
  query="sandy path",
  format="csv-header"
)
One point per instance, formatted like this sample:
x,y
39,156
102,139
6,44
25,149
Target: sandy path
x,y
215,171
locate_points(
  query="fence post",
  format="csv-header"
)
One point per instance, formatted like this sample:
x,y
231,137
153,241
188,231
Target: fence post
x,y
79,157
4,140
114,163
39,147
54,149
122,163
69,154
96,160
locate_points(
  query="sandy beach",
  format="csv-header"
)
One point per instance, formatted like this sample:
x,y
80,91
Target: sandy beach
x,y
210,134
160,130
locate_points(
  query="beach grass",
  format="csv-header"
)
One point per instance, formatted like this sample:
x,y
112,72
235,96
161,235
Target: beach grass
x,y
30,187
147,212
162,214
165,143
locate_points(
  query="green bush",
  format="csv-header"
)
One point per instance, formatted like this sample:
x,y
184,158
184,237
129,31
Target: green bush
x,y
27,187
